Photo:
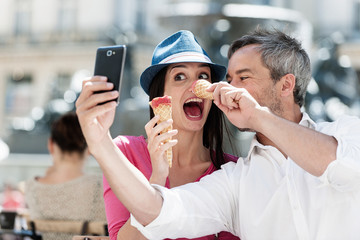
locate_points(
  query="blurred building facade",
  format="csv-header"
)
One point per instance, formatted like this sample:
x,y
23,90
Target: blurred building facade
x,y
48,47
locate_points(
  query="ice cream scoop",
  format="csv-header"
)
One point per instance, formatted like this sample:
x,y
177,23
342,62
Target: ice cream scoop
x,y
199,89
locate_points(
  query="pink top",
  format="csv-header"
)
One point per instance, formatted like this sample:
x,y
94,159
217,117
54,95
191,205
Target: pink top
x,y
135,149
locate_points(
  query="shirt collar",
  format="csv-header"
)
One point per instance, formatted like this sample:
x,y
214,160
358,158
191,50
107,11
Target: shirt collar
x,y
305,121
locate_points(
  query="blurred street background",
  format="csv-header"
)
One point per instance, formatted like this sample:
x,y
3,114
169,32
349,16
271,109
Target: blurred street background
x,y
47,47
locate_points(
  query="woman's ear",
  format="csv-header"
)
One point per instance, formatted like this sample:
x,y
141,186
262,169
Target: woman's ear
x,y
288,85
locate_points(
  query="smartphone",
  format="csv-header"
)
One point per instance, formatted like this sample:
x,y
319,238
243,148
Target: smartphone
x,y
110,62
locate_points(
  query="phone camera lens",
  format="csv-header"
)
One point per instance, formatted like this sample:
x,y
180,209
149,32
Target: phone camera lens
x,y
109,53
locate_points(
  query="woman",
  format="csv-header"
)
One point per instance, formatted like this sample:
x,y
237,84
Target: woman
x,y
52,195
177,62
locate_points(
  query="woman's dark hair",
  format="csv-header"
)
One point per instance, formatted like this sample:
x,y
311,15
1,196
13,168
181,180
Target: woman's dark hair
x,y
66,133
214,125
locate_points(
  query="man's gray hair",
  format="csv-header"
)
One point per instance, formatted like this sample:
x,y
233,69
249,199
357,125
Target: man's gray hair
x,y
282,55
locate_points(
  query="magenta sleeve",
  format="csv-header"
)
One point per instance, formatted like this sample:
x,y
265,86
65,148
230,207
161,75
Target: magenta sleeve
x,y
135,149
116,213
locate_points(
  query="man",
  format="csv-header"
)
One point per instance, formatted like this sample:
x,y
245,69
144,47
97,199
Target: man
x,y
301,180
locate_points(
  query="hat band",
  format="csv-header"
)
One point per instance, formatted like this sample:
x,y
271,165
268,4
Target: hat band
x,y
186,57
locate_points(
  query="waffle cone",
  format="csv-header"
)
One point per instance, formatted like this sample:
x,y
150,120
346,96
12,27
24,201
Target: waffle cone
x,y
164,111
199,89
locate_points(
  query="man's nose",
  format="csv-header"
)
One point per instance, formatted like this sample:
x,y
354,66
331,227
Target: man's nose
x,y
235,84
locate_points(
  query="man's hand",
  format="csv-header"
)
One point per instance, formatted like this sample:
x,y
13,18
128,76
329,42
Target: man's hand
x,y
237,104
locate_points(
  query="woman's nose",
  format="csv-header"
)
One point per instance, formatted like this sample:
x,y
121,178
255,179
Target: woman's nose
x,y
191,85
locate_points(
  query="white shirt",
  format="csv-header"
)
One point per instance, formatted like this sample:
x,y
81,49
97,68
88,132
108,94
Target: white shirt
x,y
266,196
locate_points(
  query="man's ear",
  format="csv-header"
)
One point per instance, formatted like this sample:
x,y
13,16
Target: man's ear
x,y
287,84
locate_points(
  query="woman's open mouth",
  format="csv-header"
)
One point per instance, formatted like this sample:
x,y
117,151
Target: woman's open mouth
x,y
193,108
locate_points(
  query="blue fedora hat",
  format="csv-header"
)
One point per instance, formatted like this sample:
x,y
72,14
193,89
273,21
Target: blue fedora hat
x,y
179,47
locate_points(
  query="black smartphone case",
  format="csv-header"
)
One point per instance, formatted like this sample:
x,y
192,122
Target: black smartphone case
x,y
110,62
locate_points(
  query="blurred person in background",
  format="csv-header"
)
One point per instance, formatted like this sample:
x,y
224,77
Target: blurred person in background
x,y
65,192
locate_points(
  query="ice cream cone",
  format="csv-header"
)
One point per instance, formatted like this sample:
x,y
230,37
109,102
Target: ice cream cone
x,y
199,89
162,107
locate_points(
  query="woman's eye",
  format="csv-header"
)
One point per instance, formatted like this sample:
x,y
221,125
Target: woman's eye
x,y
243,78
179,77
204,76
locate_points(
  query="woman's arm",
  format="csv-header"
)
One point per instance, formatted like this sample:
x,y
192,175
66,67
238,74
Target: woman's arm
x,y
128,232
118,217
117,214
127,182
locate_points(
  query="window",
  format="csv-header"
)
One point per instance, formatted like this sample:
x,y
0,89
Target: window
x,y
67,15
22,17
19,94
357,16
60,85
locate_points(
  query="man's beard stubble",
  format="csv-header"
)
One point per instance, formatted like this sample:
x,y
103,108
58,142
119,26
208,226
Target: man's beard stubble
x,y
275,107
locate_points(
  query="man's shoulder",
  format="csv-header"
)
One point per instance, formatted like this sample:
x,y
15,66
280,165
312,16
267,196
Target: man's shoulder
x,y
343,122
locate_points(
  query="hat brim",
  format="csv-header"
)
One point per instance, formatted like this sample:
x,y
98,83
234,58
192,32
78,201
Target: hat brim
x,y
148,75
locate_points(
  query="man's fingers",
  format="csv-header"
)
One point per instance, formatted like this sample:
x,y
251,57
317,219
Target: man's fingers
x,y
223,108
219,89
211,88
232,98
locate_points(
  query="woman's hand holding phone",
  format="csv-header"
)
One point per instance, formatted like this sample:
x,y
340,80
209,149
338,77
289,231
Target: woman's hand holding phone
x,y
99,97
95,120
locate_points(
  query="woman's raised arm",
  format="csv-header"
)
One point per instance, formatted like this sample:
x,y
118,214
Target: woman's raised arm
x,y
127,182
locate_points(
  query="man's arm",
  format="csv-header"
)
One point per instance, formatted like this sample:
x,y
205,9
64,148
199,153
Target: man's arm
x,y
311,150
200,208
